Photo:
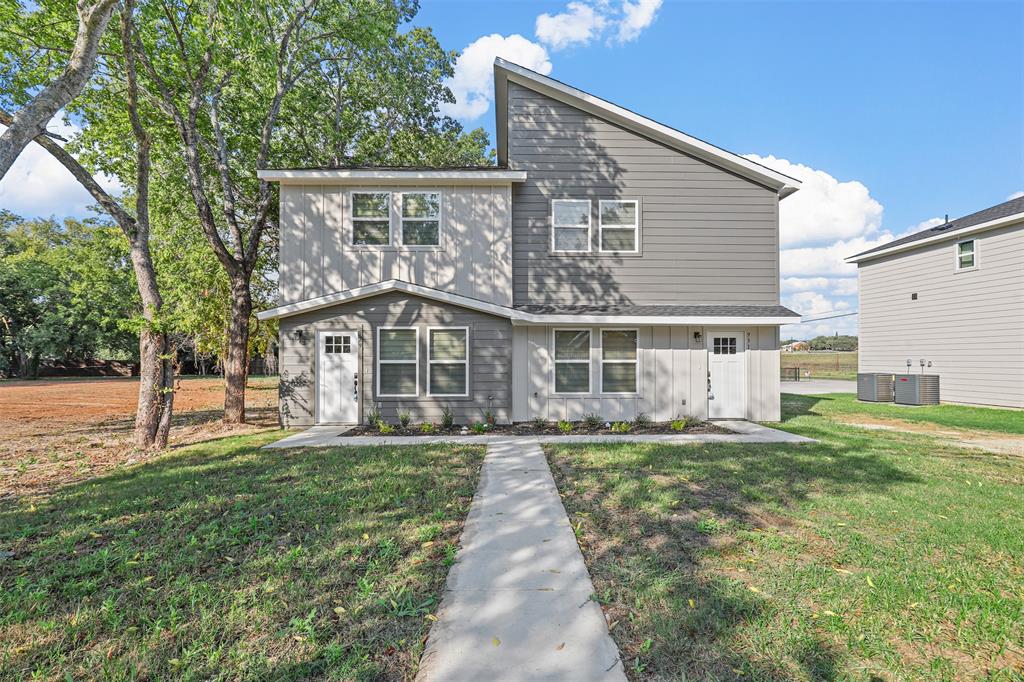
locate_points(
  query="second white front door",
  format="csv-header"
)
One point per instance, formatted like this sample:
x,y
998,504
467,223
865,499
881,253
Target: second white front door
x,y
727,376
337,377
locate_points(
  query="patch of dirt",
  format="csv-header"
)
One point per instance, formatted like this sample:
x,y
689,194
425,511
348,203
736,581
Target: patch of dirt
x,y
983,440
57,432
549,429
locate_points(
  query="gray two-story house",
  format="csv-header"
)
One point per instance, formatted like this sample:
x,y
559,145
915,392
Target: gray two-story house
x,y
608,264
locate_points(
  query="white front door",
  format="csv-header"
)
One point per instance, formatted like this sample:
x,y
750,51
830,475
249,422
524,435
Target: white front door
x,y
337,377
727,376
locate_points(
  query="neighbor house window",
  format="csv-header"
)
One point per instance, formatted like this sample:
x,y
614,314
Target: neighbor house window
x,y
618,360
371,218
448,362
966,256
570,220
618,226
397,362
421,218
572,361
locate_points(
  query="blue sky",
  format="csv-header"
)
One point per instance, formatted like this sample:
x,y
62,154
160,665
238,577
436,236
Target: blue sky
x,y
894,114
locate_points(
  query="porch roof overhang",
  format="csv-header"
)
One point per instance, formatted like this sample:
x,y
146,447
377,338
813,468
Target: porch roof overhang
x,y
523,315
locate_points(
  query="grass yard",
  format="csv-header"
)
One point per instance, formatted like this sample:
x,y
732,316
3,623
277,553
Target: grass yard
x,y
823,365
871,555
222,561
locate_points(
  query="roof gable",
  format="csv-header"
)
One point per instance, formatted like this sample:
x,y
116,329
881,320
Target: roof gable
x,y
505,71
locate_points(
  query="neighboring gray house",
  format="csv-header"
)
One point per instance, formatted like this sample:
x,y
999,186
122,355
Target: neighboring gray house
x,y
609,264
953,296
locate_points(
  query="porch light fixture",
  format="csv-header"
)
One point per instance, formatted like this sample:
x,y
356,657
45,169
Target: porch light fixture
x,y
697,336
300,336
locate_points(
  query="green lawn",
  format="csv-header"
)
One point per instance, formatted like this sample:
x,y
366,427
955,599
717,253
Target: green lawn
x,y
871,555
823,365
952,416
224,561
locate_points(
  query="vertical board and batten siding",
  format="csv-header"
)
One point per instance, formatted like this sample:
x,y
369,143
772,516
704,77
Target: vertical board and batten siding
x,y
671,379
490,352
317,256
969,325
706,236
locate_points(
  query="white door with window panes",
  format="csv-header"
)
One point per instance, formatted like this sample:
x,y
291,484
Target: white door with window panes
x,y
727,375
337,377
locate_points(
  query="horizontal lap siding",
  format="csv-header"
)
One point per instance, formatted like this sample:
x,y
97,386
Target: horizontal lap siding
x,y
969,325
490,347
317,257
707,236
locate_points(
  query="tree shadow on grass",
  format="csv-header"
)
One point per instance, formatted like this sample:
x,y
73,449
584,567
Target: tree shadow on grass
x,y
653,519
230,561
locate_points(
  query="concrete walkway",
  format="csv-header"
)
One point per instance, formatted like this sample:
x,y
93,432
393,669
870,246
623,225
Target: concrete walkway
x,y
743,432
517,605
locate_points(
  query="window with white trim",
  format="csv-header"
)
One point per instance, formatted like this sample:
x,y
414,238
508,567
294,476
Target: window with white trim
x,y
421,218
570,225
448,362
618,360
618,225
371,218
966,256
572,361
397,362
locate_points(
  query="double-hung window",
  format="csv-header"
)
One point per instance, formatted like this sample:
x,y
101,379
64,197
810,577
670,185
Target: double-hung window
x,y
371,218
572,361
397,362
618,226
448,362
966,256
421,218
570,225
618,360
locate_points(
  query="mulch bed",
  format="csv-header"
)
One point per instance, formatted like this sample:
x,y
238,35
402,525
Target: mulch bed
x,y
529,429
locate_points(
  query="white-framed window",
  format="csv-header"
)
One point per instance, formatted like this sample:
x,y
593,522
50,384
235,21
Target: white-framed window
x,y
966,255
572,360
421,218
570,225
619,360
618,225
448,361
371,218
398,362
334,345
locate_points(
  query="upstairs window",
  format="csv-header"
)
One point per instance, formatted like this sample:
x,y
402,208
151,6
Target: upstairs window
x,y
572,361
421,218
570,221
371,218
966,256
398,366
618,226
618,361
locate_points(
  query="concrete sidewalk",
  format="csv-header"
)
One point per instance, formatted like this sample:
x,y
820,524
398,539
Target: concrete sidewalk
x,y
517,604
743,432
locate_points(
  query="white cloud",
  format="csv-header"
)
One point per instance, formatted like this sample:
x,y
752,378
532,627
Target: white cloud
x,y
843,286
1015,195
37,185
577,26
636,16
810,303
825,209
473,82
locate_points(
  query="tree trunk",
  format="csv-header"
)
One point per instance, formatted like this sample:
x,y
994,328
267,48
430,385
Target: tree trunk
x,y
236,360
151,382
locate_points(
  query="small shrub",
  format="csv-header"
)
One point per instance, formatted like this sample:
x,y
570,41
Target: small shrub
x,y
478,427
426,427
384,428
539,422
489,417
447,418
679,424
593,420
620,427
564,426
642,420
374,417
404,418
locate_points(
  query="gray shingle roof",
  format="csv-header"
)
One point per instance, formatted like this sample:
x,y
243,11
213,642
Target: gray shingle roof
x,y
662,310
1002,210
